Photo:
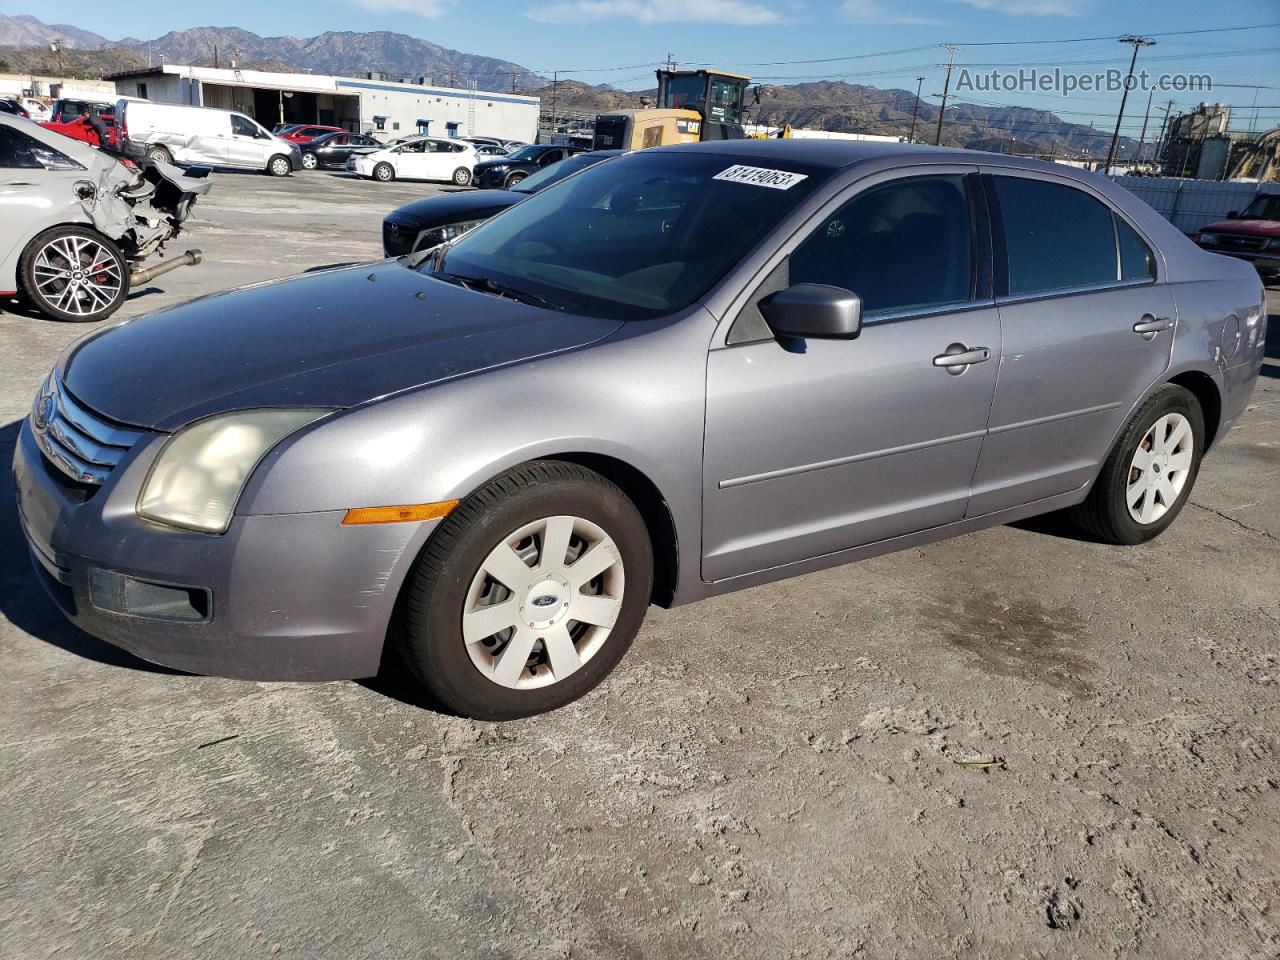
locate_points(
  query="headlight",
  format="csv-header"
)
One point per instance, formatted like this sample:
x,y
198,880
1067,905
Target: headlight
x,y
197,478
499,168
439,235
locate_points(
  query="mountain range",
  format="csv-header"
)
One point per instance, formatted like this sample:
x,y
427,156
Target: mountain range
x,y
346,53
826,105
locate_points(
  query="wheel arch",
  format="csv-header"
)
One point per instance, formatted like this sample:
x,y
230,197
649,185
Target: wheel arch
x,y
653,507
1208,395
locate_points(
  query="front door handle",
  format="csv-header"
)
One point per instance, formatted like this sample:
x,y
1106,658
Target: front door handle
x,y
958,358
1149,326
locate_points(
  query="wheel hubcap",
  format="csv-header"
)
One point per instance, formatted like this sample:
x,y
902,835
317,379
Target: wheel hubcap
x,y
1160,467
543,602
77,275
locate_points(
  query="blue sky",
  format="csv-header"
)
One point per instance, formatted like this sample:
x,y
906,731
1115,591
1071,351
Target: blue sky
x,y
571,35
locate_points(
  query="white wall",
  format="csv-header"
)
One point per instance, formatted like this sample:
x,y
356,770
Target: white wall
x,y
496,115
12,85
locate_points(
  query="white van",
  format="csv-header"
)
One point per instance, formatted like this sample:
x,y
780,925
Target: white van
x,y
176,133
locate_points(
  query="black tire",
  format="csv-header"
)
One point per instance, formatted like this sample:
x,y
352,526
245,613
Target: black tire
x,y
279,166
45,298
310,161
461,177
1104,515
384,172
515,178
157,153
428,628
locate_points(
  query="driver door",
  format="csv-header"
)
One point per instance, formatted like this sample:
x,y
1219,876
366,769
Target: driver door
x,y
245,148
816,446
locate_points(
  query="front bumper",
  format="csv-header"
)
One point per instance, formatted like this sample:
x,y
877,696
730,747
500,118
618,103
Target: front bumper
x,y
279,597
1266,260
491,179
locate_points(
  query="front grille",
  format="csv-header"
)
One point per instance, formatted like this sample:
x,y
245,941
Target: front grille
x,y
397,238
83,445
1236,241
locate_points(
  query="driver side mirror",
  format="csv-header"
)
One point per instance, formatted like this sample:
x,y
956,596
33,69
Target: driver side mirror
x,y
1233,214
813,310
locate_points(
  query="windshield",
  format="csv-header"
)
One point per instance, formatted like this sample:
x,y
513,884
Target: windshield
x,y
555,173
527,153
640,237
1263,208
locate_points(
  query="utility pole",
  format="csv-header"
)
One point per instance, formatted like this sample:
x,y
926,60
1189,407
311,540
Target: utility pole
x,y
1142,137
911,138
513,81
946,87
1162,147
555,90
1137,43
671,63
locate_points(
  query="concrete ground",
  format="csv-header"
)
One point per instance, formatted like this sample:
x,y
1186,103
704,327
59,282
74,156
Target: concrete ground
x,y
773,774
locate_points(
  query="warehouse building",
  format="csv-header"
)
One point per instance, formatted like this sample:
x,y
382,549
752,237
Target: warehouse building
x,y
373,104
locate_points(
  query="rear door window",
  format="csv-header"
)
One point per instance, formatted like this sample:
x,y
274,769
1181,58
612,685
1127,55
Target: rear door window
x,y
901,245
1137,262
1055,236
20,151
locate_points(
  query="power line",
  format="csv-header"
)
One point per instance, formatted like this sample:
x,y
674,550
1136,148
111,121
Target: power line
x,y
1167,33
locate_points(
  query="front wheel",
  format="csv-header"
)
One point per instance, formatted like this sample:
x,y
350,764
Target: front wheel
x,y
310,161
278,166
159,154
528,594
1147,478
384,173
461,176
73,274
514,179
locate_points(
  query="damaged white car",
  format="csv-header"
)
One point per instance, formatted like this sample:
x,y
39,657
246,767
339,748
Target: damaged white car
x,y
76,223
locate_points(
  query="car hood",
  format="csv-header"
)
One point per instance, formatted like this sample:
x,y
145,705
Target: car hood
x,y
1251,228
331,339
455,207
501,162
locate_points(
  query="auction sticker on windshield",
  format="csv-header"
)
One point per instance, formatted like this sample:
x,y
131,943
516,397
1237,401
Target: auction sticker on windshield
x,y
761,177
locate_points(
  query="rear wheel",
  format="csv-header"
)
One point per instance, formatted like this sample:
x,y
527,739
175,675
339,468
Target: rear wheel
x,y
73,274
462,176
278,166
384,173
1149,474
528,594
515,178
310,161
159,154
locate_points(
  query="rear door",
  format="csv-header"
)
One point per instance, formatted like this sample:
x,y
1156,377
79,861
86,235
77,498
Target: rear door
x,y
823,445
1088,326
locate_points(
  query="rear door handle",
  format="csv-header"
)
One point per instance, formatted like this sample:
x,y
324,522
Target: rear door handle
x,y
958,357
1149,326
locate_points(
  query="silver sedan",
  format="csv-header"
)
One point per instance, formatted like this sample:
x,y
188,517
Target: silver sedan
x,y
677,374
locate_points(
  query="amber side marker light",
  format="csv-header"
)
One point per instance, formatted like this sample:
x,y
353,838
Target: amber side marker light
x,y
402,514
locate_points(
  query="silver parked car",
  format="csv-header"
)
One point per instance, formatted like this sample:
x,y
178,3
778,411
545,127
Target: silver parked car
x,y
676,374
76,224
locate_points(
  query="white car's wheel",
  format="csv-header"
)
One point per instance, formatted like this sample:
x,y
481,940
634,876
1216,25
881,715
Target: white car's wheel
x,y
279,166
462,176
384,173
74,274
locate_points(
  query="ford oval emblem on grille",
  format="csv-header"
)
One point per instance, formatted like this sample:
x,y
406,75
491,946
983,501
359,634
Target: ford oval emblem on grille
x,y
44,411
545,600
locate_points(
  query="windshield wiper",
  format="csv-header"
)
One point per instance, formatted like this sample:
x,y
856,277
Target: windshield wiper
x,y
489,285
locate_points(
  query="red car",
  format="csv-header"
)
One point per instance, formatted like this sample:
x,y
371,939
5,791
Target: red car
x,y
1253,234
79,128
305,134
